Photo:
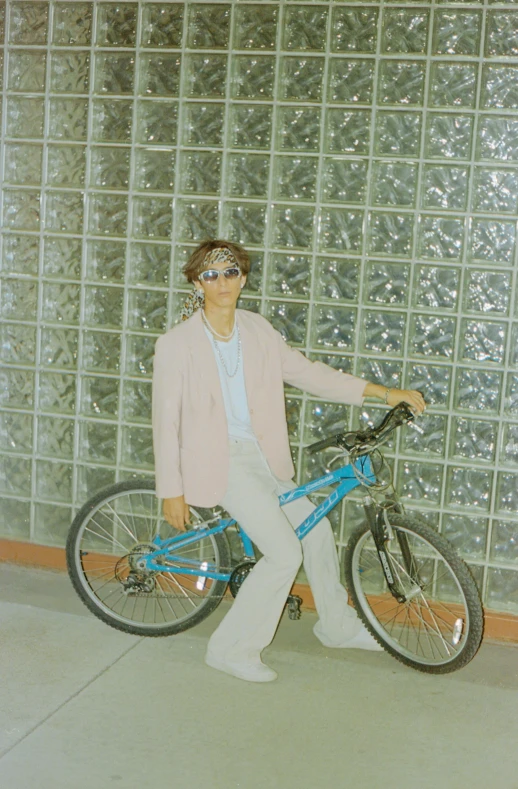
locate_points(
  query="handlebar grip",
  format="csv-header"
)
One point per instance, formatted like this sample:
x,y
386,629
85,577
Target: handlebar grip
x,y
319,445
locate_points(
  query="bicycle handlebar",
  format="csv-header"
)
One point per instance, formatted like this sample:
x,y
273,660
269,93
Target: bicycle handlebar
x,y
400,415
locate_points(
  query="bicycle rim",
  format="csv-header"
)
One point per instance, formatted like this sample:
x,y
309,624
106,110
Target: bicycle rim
x,y
107,541
433,629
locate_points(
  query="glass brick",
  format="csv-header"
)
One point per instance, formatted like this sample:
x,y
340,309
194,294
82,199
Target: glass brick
x,y
72,24
502,34
340,230
56,437
496,191
201,172
147,310
206,76
431,441
159,75
59,348
390,234
253,77
57,392
293,226
254,280
90,480
477,390
114,73
15,475
99,396
157,122
293,418
354,29
69,72
334,327
389,372
507,492
24,117
405,31
245,222
347,131
98,442
23,164
441,237
203,125
21,210
27,71
504,541
386,283
60,303
509,445
449,136
247,174
15,519
255,26
154,170
109,167
394,183
421,482
19,299
445,187
502,590
136,401
511,397
432,336
301,78
456,33
350,81
338,361
383,332
397,134
64,212
209,26
17,343
28,23
162,25
66,165
497,138
436,288
289,319
487,291
453,84
483,341
51,524
493,240
344,180
468,535
322,420
137,447
16,388
20,254
295,178
513,356
298,129
473,439
54,480
116,25
337,279
468,487
289,276
305,28
401,82
500,87
112,120
105,260
108,214
101,351
197,219
103,306
149,264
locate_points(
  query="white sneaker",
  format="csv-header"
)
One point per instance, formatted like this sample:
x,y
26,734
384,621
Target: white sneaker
x,y
362,640
253,671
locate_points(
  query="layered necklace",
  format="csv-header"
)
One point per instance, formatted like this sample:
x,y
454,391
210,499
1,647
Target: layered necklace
x,y
226,337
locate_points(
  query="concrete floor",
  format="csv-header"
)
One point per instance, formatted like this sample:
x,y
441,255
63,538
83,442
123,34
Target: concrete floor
x,y
82,706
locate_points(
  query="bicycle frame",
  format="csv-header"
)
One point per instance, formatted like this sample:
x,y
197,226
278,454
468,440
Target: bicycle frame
x,y
345,480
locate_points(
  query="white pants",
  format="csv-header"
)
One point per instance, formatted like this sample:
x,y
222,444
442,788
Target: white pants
x,y
252,499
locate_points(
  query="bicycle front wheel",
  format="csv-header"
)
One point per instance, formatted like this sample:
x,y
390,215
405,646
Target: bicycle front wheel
x,y
109,535
438,627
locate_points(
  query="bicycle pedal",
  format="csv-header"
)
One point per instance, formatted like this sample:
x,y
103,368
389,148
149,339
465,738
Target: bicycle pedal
x,y
294,603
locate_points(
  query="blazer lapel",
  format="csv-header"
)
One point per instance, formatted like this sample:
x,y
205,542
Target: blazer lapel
x,y
251,359
204,359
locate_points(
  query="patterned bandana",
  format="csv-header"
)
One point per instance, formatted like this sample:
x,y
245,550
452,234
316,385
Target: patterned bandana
x,y
219,255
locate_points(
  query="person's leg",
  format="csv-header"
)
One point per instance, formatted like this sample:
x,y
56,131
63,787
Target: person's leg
x,y
252,499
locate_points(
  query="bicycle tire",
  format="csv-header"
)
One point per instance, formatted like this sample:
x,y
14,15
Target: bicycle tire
x,y
75,556
371,598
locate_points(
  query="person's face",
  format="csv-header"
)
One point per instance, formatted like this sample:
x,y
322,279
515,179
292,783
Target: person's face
x,y
223,292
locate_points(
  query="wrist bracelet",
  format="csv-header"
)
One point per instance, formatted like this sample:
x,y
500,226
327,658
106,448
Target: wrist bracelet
x,y
386,396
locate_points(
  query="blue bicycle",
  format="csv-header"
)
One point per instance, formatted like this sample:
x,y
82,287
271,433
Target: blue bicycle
x,y
408,585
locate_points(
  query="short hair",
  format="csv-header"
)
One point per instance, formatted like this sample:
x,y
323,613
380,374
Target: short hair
x,y
194,265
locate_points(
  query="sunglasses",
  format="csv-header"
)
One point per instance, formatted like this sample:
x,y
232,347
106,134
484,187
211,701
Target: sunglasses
x,y
212,274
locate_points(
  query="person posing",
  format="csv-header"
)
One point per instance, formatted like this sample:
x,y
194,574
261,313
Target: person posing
x,y
221,438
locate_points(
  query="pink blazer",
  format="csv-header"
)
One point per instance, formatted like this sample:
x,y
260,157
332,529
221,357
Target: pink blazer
x,y
190,433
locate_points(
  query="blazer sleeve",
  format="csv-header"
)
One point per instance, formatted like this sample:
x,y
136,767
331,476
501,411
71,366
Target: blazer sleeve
x,y
166,415
318,378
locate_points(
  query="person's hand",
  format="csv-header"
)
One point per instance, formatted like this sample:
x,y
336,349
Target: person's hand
x,y
410,396
176,512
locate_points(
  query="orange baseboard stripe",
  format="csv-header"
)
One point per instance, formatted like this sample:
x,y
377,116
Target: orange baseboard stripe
x,y
498,625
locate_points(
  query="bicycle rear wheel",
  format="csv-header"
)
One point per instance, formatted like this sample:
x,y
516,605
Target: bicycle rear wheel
x,y
108,535
438,628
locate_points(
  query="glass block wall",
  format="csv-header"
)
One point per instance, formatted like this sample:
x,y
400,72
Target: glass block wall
x,y
365,153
